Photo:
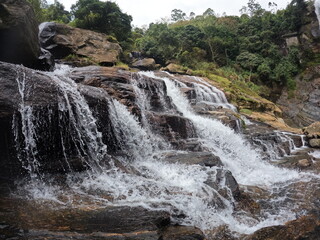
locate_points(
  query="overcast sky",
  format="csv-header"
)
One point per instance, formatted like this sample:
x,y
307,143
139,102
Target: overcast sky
x,y
144,12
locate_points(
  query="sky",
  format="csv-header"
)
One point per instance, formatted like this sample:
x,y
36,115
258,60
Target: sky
x,y
144,12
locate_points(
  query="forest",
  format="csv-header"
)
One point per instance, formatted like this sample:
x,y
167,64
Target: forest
x,y
249,48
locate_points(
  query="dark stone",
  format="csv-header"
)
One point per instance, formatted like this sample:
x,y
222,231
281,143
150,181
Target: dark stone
x,y
173,127
201,158
19,35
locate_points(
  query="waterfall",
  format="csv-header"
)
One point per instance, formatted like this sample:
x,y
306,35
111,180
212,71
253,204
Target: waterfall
x,y
208,93
141,174
82,123
161,185
27,151
76,126
317,10
236,154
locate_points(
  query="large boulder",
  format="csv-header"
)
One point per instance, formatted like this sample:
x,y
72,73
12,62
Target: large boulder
x,y
145,64
72,44
175,68
313,134
18,33
312,131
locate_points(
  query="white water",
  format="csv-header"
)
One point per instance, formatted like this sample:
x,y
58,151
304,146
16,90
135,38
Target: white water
x,y
317,10
315,154
208,93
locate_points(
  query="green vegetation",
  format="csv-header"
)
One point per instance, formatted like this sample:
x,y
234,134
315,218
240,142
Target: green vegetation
x,y
247,51
251,45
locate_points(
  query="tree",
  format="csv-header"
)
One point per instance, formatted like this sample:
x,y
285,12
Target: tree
x,y
177,15
38,6
56,12
105,17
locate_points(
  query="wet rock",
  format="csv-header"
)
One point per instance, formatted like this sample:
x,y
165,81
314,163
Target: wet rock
x,y
18,33
38,221
201,158
41,95
224,182
145,64
307,227
64,41
173,127
182,233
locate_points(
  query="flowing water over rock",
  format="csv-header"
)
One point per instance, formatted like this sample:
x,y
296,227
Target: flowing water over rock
x,y
146,168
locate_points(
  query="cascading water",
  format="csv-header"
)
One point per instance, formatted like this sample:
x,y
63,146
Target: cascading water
x,y
27,150
235,153
82,123
317,10
142,176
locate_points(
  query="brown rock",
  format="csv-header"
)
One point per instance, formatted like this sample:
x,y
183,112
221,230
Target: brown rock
x,y
182,233
145,64
18,33
315,142
175,68
306,227
304,163
64,41
312,131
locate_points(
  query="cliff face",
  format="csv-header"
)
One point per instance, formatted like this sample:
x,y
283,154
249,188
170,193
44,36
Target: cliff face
x,y
301,107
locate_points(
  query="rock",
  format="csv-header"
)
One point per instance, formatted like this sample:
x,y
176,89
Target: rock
x,y
201,158
306,227
315,142
304,163
18,33
303,107
145,64
72,44
175,68
173,127
46,60
39,221
182,233
312,131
